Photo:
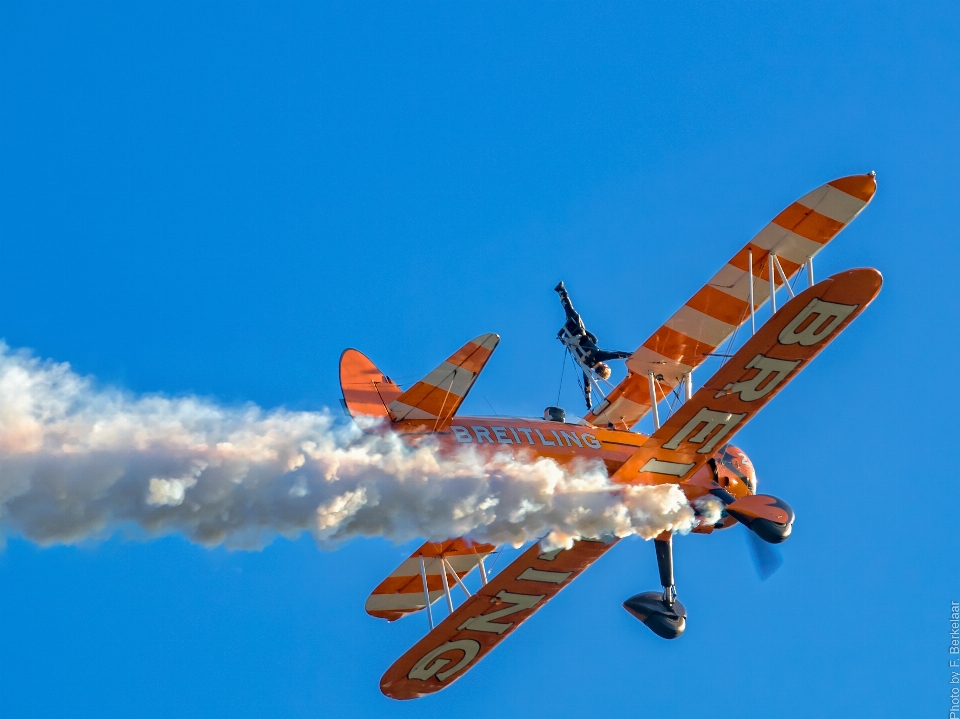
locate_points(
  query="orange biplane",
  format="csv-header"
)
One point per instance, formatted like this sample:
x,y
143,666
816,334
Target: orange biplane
x,y
690,448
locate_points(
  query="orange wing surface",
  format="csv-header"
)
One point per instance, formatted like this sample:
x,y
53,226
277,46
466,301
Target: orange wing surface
x,y
401,593
760,369
439,395
366,390
708,318
487,618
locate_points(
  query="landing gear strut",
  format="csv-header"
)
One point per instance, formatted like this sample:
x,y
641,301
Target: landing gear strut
x,y
662,612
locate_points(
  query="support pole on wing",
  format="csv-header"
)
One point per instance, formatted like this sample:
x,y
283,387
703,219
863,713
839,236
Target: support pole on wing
x,y
688,385
483,573
783,275
457,577
446,584
773,283
753,314
652,384
809,264
426,590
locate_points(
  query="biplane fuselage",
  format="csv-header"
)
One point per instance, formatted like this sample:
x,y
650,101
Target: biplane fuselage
x,y
690,449
565,443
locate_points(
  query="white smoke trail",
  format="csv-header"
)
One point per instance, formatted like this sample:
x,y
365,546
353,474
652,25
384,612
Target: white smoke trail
x,y
78,462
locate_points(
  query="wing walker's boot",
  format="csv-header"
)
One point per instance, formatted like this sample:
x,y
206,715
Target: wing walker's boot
x,y
662,612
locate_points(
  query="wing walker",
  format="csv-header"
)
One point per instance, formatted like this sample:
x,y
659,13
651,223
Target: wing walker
x,y
690,448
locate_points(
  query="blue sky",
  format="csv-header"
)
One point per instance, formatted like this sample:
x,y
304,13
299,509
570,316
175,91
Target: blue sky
x,y
217,198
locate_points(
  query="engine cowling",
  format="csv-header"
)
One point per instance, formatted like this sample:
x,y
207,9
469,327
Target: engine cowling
x,y
732,466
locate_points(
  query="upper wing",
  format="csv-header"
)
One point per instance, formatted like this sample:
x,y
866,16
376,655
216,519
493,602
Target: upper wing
x,y
438,395
401,593
708,318
760,369
483,621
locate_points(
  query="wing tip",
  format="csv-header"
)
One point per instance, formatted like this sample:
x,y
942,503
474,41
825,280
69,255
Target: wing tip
x,y
394,690
488,340
862,187
390,616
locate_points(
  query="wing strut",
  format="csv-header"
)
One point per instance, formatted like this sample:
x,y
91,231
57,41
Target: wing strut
x,y
753,308
783,275
773,285
446,584
652,382
462,586
426,591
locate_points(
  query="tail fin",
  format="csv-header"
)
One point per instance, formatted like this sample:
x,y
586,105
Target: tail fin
x,y
439,395
366,390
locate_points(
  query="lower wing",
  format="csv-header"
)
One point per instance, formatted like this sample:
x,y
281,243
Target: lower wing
x,y
435,565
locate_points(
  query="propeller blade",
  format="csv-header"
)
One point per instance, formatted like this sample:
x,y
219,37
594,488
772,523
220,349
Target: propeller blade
x,y
766,558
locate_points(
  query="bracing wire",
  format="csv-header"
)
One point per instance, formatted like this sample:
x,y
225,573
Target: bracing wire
x,y
730,344
563,368
675,401
443,406
496,559
663,395
578,374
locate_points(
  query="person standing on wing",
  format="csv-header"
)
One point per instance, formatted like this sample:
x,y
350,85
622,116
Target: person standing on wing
x,y
583,343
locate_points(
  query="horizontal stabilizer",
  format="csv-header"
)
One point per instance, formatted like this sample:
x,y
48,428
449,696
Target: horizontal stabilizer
x,y
439,395
401,593
708,318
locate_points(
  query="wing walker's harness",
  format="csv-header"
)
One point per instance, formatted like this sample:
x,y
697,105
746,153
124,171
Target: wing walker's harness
x,y
581,344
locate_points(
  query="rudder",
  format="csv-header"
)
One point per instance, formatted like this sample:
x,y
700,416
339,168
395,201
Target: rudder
x,y
366,390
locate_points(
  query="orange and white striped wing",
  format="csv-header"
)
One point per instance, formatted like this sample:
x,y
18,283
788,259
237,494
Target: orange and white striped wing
x,y
752,377
711,316
439,395
461,640
401,593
